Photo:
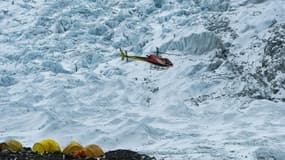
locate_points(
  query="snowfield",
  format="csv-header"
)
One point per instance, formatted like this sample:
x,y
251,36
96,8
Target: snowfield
x,y
61,76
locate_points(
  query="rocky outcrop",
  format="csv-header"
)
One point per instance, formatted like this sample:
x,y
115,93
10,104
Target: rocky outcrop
x,y
269,77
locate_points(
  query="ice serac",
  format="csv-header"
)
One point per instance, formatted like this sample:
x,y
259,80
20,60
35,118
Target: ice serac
x,y
213,5
195,43
253,1
53,67
6,81
269,153
158,3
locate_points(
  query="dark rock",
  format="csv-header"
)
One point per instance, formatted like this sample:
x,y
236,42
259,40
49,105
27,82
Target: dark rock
x,y
267,81
126,155
27,154
213,66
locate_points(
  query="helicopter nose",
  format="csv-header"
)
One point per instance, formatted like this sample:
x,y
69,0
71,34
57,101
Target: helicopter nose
x,y
168,63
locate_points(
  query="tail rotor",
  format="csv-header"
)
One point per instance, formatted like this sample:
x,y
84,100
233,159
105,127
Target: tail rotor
x,y
124,55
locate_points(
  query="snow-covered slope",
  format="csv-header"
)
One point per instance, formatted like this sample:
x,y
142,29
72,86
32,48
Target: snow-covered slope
x,y
61,76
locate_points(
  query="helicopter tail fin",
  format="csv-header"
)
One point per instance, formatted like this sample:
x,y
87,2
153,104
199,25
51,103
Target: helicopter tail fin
x,y
123,54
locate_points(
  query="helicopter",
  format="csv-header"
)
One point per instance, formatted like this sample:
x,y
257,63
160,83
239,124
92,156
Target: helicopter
x,y
152,58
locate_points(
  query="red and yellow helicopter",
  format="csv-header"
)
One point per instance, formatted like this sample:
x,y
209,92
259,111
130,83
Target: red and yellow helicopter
x,y
153,59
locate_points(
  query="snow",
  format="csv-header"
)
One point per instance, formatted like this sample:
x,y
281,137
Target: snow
x,y
61,76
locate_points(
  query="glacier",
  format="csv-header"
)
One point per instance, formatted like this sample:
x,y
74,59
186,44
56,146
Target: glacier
x,y
61,76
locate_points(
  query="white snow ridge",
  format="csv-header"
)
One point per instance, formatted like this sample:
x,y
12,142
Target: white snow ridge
x,y
224,99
